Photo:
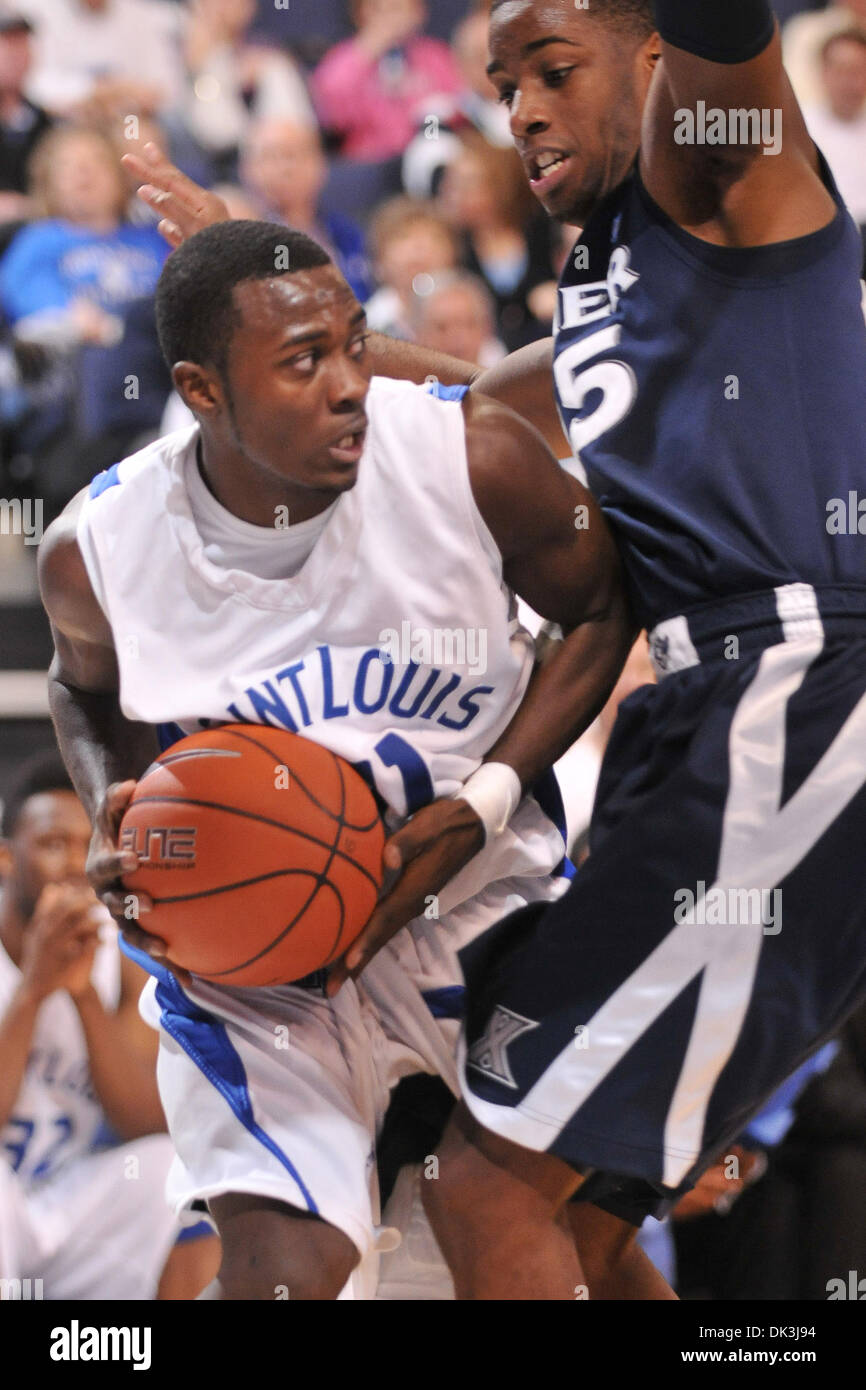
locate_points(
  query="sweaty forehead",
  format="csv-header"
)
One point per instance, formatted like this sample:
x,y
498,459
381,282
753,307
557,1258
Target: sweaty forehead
x,y
309,296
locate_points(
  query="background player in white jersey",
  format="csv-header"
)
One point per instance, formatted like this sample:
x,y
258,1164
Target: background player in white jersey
x,y
174,598
75,1057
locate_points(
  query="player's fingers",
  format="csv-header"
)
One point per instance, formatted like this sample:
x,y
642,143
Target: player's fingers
x,y
141,941
182,976
449,826
171,232
153,946
105,871
125,906
374,935
337,977
417,886
156,168
114,804
107,866
162,201
391,915
422,832
181,196
404,845
135,165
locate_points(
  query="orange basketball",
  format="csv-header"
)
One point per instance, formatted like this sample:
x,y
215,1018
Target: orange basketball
x,y
261,850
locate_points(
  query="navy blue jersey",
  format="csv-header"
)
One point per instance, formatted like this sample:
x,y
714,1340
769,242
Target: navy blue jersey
x,y
717,400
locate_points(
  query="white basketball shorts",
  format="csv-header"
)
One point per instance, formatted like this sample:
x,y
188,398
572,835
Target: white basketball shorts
x,y
281,1092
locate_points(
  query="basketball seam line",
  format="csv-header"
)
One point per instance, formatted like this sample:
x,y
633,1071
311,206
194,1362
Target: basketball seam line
x,y
321,880
247,738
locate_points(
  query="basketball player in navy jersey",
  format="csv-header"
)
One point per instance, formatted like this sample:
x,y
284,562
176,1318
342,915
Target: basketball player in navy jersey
x,y
710,368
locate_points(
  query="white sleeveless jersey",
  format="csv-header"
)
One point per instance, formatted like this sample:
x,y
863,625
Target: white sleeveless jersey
x,y
396,645
56,1115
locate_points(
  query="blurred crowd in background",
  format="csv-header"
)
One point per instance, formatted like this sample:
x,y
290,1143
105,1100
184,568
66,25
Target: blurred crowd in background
x,y
371,125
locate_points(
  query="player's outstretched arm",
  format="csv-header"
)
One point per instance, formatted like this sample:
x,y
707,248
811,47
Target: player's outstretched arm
x,y
523,380
725,148
559,555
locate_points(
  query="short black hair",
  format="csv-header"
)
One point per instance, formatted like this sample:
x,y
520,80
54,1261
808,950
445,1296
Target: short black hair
x,y
636,16
195,312
46,772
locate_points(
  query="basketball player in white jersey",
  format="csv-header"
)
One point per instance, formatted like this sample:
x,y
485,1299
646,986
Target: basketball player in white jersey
x,y
179,598
75,1222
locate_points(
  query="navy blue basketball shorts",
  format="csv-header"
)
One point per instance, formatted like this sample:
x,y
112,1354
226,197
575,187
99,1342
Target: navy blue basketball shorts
x,y
717,933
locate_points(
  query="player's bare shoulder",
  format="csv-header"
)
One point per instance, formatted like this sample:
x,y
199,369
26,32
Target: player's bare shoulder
x,y
518,486
64,583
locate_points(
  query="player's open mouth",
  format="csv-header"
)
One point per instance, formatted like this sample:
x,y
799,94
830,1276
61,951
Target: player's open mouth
x,y
350,448
546,169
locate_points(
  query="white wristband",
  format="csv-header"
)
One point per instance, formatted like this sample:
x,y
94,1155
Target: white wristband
x,y
494,793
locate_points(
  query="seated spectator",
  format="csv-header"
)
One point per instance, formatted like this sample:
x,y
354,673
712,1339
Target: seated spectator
x,y
21,121
98,59
83,1153
284,168
477,105
31,379
506,240
232,81
456,315
375,90
838,124
478,101
80,284
310,30
409,244
69,277
804,37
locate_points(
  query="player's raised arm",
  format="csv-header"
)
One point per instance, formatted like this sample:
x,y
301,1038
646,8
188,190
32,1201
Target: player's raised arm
x,y
726,152
104,752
